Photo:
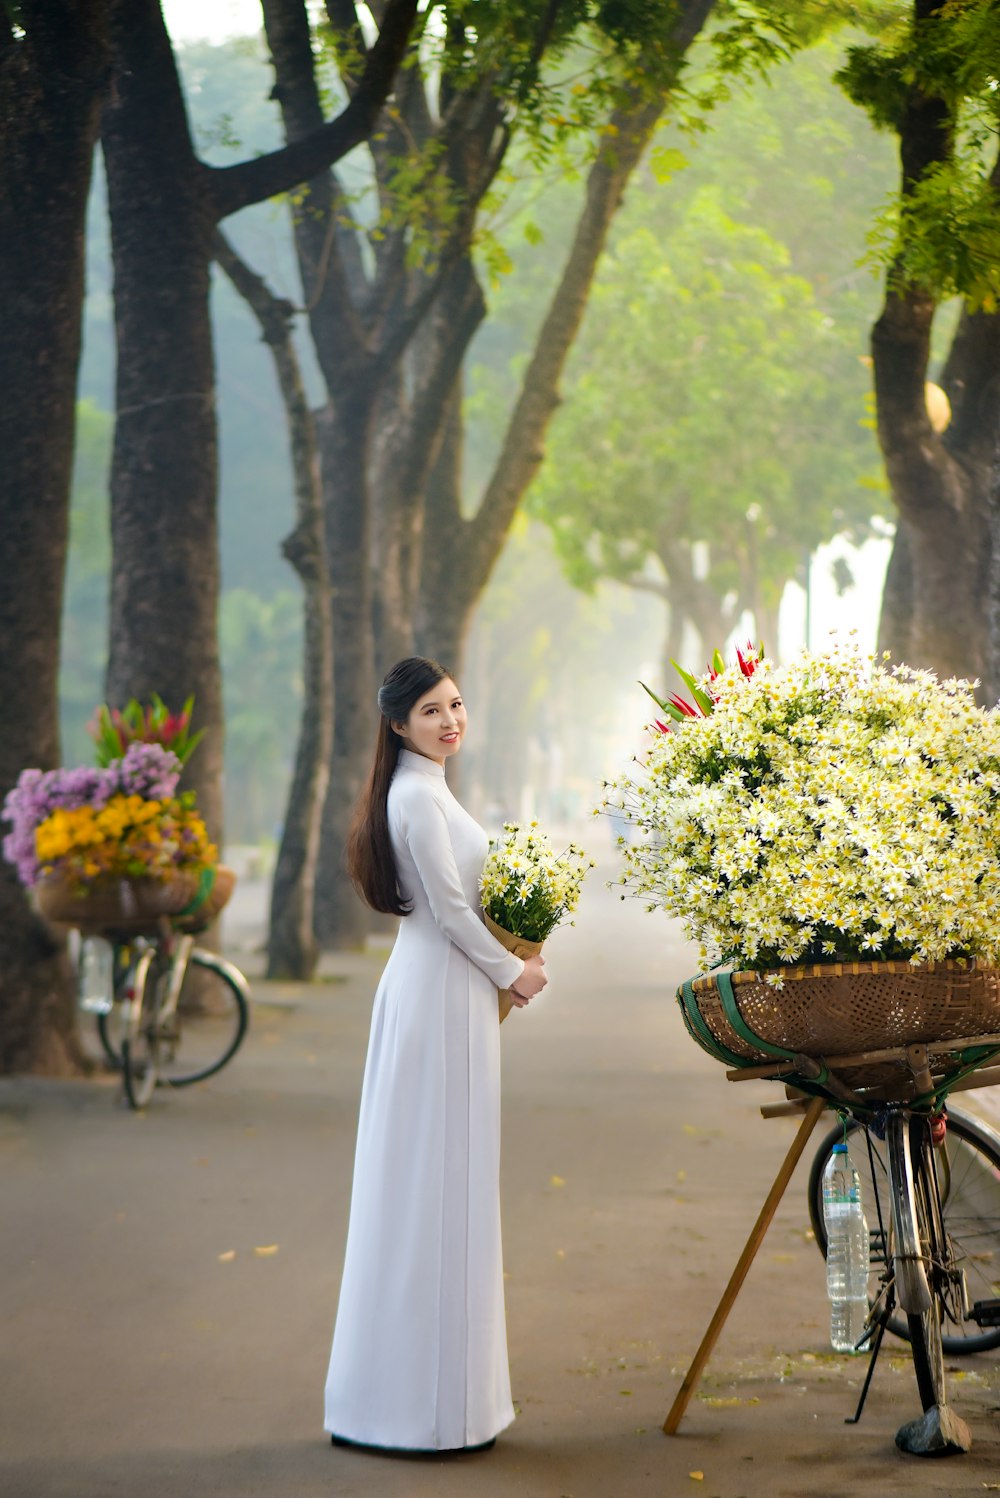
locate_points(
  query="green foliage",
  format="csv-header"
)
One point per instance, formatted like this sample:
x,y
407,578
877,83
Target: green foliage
x,y
137,723
941,231
877,82
261,645
717,396
945,235
703,410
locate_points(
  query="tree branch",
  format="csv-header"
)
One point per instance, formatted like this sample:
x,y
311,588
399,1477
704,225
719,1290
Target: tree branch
x,y
642,584
274,315
335,285
238,186
452,331
522,451
343,17
401,321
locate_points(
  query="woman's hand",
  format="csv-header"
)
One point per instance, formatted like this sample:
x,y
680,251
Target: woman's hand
x,y
531,981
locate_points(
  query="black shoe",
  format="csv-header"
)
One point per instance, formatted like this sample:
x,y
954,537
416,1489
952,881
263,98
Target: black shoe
x,y
406,1451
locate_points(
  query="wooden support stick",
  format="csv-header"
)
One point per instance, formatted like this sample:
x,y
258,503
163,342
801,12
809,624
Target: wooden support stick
x,y
693,1376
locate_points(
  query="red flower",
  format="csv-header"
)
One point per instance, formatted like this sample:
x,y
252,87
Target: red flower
x,y
748,661
684,707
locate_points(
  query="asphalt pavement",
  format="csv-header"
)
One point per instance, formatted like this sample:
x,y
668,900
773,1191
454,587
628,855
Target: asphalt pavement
x,y
169,1280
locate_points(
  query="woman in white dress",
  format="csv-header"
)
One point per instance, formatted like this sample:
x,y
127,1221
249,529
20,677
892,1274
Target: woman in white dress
x,y
419,1360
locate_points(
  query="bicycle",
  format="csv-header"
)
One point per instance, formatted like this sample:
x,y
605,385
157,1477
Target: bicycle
x,y
936,1198
165,989
930,1180
967,1171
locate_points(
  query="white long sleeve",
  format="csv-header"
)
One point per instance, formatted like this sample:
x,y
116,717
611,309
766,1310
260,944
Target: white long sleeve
x,y
424,827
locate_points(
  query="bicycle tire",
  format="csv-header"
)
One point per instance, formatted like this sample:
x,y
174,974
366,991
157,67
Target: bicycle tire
x,y
926,1343
213,1030
141,1039
972,1153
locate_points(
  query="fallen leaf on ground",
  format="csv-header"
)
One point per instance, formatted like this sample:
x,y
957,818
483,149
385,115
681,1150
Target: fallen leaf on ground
x,y
697,1476
266,1250
228,1256
682,1175
556,1181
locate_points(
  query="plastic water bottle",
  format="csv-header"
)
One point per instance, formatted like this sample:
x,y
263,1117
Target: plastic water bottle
x,y
846,1252
96,982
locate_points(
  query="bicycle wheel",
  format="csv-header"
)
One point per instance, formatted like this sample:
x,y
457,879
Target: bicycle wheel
x,y
968,1179
925,1328
141,1036
208,1025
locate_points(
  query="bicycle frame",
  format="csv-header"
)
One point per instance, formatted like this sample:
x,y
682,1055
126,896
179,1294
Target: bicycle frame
x,y
146,1033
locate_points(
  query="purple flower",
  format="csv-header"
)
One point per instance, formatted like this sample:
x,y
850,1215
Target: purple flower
x,y
146,770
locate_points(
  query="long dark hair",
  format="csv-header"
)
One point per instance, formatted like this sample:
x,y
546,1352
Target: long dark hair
x,y
369,852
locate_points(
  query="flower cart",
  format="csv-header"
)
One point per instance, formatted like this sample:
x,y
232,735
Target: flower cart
x,y
829,833
119,853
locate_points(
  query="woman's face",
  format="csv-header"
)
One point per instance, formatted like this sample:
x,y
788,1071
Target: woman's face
x,y
436,725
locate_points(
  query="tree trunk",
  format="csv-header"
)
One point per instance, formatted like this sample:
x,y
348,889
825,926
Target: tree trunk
x,y
940,487
345,438
461,551
165,578
896,613
991,682
165,205
52,79
442,617
940,483
292,950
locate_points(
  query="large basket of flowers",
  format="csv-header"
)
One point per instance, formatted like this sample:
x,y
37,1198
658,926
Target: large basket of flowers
x,y
117,848
830,830
189,898
833,1013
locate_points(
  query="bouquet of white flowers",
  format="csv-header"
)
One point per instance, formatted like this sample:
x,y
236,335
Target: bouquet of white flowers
x,y
832,809
527,889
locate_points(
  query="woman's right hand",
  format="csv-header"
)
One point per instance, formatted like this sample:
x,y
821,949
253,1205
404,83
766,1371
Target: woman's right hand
x,y
532,979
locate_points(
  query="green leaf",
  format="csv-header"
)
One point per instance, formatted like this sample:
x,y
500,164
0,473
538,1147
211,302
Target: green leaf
x,y
665,161
702,699
665,706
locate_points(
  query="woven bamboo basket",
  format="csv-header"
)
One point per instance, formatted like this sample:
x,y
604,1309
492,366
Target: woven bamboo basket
x,y
840,1009
132,906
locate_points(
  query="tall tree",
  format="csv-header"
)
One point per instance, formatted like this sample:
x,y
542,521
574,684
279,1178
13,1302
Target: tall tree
x,y
54,71
393,305
292,950
165,205
933,83
702,467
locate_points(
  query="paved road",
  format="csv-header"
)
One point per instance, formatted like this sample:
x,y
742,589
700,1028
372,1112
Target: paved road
x,y
137,1360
